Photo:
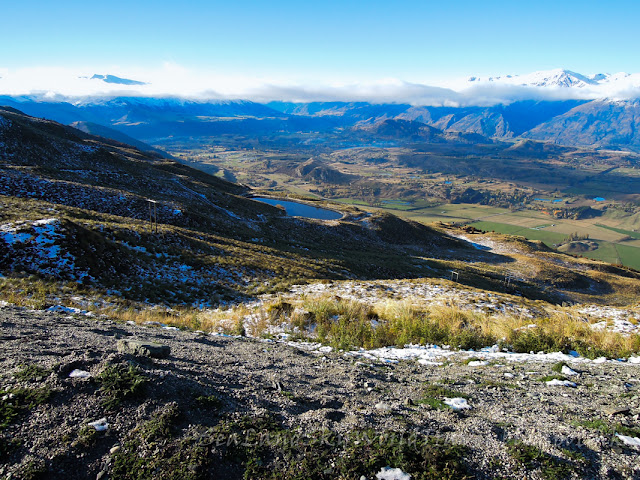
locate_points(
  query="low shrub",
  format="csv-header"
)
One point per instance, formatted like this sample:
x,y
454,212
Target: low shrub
x,y
120,382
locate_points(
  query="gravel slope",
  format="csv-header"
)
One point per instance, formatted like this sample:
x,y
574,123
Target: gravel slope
x,y
309,390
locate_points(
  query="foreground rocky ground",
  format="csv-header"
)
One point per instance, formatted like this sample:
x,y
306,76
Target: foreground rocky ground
x,y
228,407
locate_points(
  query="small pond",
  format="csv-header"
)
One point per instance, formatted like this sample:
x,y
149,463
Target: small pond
x,y
295,209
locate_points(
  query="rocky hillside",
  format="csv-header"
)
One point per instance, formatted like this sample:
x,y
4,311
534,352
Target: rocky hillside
x,y
161,230
156,322
95,211
597,123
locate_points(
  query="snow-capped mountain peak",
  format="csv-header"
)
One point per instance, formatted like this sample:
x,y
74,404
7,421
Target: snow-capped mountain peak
x,y
547,78
116,80
557,78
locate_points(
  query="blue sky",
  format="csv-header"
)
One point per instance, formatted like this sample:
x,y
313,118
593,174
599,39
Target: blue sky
x,y
354,40
331,49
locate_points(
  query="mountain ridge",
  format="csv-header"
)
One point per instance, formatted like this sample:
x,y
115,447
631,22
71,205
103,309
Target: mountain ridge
x,y
151,119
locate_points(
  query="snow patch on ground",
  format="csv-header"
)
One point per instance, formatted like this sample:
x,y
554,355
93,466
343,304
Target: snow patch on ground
x,y
69,310
436,355
100,425
561,383
614,319
35,243
457,403
478,363
86,148
388,473
134,247
568,371
77,373
634,441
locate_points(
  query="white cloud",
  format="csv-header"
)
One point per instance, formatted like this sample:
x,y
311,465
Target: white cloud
x,y
171,79
387,91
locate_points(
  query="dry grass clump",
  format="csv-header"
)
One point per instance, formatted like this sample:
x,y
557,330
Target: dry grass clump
x,y
345,323
34,292
563,329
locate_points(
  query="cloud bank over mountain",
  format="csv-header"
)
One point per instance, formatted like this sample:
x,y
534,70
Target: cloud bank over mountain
x,y
176,81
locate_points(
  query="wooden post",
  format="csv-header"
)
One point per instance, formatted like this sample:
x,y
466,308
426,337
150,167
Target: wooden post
x,y
508,278
153,215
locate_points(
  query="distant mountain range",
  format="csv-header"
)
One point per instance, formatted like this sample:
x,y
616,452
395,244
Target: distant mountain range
x,y
583,122
561,78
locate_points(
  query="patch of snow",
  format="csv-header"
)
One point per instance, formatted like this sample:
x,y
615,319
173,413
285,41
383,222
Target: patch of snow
x,y
430,362
151,323
614,319
33,244
635,441
77,373
63,309
435,355
561,383
457,403
478,363
11,238
86,148
388,473
568,371
100,425
134,247
409,352
231,214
